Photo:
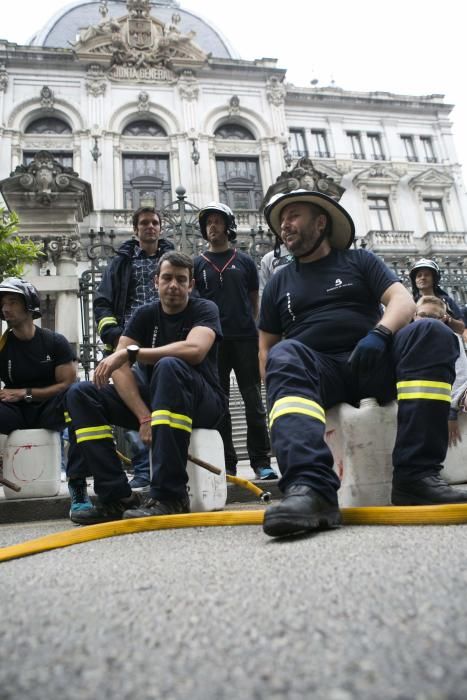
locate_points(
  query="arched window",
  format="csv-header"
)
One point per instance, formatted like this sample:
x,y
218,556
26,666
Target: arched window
x,y
143,127
234,131
48,125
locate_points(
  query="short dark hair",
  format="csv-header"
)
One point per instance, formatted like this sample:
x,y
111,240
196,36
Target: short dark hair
x,y
144,210
177,260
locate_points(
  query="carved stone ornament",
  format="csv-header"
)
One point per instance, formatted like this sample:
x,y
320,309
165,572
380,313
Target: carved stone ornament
x,y
44,178
304,176
275,91
96,80
138,8
143,101
47,98
4,79
234,105
188,86
139,47
63,248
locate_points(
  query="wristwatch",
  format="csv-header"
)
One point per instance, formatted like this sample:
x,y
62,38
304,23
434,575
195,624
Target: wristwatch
x,y
28,397
385,332
132,351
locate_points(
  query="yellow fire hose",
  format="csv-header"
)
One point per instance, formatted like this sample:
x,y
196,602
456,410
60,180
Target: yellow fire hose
x,y
453,514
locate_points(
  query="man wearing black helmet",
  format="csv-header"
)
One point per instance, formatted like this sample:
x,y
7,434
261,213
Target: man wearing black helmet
x,y
230,279
425,276
36,365
323,340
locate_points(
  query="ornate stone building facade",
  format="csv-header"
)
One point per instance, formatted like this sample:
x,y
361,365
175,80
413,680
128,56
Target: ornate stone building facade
x,y
134,99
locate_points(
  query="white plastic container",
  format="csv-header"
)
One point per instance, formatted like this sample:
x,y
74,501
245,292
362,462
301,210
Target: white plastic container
x,y
207,491
361,441
3,439
455,464
32,460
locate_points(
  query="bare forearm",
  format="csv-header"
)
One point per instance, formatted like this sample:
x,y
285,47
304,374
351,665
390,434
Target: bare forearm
x,y
127,388
399,308
183,350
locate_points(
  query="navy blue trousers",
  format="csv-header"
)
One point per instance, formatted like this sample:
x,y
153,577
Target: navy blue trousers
x,y
424,351
180,399
241,356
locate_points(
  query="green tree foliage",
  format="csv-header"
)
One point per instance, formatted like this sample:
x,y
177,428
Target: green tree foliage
x,y
14,252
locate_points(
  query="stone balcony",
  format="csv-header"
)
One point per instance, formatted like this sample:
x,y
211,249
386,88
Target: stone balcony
x,y
389,242
444,242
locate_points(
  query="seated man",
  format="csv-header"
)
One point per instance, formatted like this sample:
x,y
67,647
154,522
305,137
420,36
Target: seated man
x,y
430,306
36,365
324,341
174,388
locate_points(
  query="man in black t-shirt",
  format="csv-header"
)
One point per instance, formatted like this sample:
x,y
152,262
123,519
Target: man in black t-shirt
x,y
230,279
325,340
173,388
36,365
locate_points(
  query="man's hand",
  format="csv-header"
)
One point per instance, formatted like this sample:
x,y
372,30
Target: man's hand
x,y
12,395
145,433
106,367
368,353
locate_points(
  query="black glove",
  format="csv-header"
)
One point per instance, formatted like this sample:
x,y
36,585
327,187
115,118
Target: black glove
x,y
369,352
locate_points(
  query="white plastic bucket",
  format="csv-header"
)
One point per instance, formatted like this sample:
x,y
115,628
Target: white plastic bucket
x,y
455,464
361,441
32,460
207,491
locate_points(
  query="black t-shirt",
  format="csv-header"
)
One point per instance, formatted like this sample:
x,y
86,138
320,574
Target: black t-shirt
x,y
152,328
32,363
329,304
228,285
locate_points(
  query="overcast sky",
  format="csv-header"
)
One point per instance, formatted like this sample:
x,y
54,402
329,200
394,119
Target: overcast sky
x,y
406,46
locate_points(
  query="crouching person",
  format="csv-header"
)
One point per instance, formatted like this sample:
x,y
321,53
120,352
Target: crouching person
x,y
172,388
36,365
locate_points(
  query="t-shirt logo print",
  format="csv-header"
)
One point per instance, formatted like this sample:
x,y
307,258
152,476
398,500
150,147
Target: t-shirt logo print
x,y
338,282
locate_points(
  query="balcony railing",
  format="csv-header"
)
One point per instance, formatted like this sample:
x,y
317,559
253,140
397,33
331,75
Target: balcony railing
x,y
389,240
445,241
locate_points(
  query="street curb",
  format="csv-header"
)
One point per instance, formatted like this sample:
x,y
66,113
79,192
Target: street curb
x,y
23,510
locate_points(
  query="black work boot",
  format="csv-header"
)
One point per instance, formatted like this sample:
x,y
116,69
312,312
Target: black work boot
x,y
105,512
301,510
429,491
152,506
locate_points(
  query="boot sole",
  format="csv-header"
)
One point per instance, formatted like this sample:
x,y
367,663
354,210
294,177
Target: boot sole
x,y
281,524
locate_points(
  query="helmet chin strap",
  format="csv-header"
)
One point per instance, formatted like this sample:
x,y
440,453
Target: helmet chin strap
x,y
316,245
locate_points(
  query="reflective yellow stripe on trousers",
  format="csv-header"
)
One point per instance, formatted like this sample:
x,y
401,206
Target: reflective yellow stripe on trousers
x,y
97,432
173,420
424,389
296,404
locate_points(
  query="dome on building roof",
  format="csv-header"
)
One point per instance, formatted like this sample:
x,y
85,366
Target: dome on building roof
x,y
63,28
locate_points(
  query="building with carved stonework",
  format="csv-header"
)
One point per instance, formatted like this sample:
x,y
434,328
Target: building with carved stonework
x,y
137,98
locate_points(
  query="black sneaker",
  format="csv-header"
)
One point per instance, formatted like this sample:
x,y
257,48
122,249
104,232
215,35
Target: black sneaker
x,y
231,471
301,510
152,506
429,491
105,512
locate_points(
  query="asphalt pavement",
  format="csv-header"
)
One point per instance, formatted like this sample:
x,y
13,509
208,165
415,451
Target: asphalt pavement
x,y
362,613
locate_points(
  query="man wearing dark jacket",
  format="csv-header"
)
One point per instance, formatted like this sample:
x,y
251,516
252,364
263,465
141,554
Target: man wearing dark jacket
x,y
127,283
